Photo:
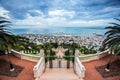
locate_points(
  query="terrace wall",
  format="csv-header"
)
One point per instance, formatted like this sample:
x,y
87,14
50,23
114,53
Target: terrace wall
x,y
29,57
82,58
91,57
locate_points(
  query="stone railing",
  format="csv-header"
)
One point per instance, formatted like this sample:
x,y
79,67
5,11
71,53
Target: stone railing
x,y
78,67
29,57
40,67
103,54
16,53
90,57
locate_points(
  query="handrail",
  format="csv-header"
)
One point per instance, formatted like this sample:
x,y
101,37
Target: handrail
x,y
15,51
21,55
39,67
91,57
78,67
94,54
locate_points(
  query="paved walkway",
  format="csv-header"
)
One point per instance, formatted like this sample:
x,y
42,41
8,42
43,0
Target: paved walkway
x,y
59,74
27,72
92,74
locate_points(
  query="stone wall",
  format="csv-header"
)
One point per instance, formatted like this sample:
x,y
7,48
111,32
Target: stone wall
x,y
29,57
92,57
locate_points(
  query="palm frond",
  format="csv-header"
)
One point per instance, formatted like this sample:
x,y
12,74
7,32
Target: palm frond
x,y
117,19
112,40
115,24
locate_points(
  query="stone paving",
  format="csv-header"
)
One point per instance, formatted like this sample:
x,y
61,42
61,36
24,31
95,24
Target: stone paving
x,y
59,74
92,74
27,72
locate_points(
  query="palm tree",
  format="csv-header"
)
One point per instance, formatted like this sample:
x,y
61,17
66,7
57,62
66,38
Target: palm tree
x,y
73,46
68,59
48,51
112,41
6,38
50,59
47,46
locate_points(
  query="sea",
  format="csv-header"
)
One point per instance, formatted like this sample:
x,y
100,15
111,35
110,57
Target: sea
x,y
74,31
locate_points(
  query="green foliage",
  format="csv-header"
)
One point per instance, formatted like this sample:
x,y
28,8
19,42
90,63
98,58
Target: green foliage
x,y
85,50
54,45
49,54
33,52
65,45
71,46
82,49
21,47
7,40
38,47
89,52
47,46
3,47
69,55
74,45
101,49
112,40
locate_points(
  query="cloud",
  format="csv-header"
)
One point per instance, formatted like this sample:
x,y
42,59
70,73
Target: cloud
x,y
42,22
61,13
91,23
113,3
19,8
26,23
4,13
35,13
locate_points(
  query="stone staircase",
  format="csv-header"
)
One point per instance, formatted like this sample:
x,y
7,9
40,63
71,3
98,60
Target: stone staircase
x,y
59,74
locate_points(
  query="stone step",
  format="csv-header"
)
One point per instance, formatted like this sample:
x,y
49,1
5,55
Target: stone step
x,y
59,74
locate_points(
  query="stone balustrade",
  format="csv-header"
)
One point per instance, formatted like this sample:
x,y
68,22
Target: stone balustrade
x,y
22,55
91,57
78,67
40,67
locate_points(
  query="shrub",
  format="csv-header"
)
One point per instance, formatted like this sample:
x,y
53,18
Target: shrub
x,y
21,47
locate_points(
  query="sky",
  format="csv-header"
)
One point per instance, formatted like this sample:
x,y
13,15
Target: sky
x,y
60,13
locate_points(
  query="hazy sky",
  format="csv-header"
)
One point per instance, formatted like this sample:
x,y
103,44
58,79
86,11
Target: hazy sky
x,y
60,13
